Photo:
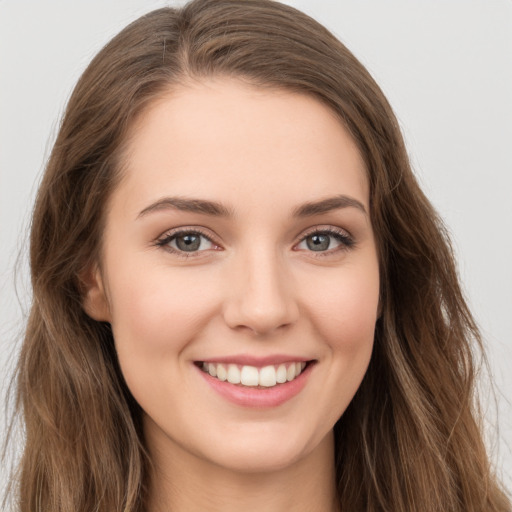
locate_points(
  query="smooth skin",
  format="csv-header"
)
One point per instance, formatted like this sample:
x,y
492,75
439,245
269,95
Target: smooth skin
x,y
258,280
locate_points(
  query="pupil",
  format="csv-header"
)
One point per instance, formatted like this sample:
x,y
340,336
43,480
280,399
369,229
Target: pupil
x,y
318,242
188,242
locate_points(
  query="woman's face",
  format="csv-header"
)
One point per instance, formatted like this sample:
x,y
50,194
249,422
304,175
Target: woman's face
x,y
239,242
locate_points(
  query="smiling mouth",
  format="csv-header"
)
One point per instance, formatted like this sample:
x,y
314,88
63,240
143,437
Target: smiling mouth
x,y
253,377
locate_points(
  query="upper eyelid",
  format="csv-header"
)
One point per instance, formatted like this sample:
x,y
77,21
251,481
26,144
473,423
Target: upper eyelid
x,y
200,230
324,229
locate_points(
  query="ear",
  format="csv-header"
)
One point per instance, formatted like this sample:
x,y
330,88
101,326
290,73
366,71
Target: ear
x,y
94,300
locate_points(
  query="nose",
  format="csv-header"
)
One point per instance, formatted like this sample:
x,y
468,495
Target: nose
x,y
260,297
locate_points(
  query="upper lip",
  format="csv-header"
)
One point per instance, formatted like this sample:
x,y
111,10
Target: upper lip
x,y
258,361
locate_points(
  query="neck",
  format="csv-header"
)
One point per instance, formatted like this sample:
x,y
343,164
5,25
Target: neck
x,y
186,483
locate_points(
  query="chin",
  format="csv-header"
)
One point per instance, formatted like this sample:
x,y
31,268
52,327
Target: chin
x,y
257,461
261,454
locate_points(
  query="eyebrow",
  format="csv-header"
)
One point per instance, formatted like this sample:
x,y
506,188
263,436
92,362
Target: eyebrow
x,y
215,209
327,205
188,205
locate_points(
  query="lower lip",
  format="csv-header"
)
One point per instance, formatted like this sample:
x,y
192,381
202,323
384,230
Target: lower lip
x,y
258,397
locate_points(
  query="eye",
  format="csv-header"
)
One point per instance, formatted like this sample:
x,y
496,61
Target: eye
x,y
186,242
326,240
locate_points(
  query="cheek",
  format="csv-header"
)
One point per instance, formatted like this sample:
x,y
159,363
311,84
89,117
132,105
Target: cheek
x,y
158,312
342,307
156,316
345,309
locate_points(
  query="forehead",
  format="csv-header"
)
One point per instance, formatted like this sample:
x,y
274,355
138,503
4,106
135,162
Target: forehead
x,y
224,139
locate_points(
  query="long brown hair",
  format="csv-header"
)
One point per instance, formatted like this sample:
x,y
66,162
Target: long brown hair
x,y
411,438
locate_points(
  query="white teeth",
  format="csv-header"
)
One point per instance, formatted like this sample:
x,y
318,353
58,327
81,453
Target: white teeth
x,y
222,373
246,375
281,374
233,374
268,376
249,376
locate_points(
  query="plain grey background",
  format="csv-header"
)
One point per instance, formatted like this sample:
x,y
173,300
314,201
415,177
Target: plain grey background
x,y
446,67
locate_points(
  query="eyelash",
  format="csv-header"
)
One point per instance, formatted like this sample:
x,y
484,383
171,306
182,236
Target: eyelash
x,y
346,241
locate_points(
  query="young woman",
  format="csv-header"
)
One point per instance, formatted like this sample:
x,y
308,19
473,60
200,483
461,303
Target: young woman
x,y
242,299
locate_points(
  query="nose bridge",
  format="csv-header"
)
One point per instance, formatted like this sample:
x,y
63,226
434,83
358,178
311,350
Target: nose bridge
x,y
261,294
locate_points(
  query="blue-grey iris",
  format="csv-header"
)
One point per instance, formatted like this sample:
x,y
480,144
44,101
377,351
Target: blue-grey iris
x,y
318,242
189,242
